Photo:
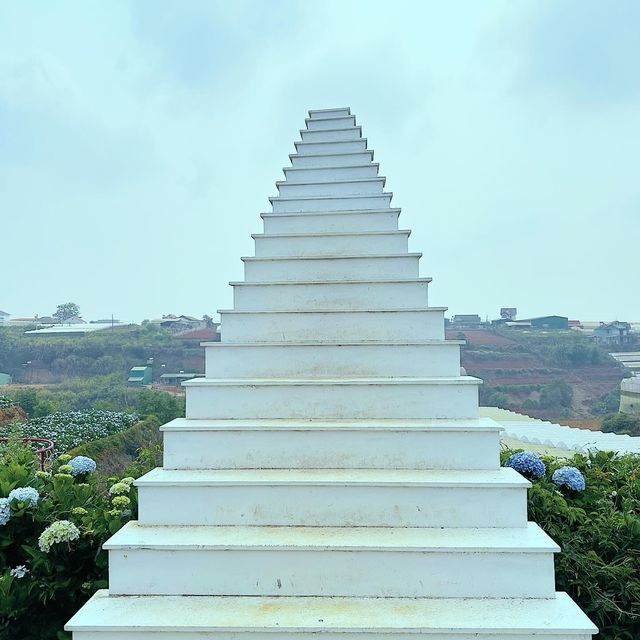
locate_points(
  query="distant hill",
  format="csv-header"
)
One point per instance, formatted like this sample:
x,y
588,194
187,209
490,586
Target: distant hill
x,y
546,374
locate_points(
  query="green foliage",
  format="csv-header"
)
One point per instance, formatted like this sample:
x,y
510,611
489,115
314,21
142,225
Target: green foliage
x,y
555,395
599,532
621,423
110,351
558,348
48,587
114,454
489,397
607,403
107,393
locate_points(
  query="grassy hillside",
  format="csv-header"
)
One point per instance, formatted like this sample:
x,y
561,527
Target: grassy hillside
x,y
56,358
545,374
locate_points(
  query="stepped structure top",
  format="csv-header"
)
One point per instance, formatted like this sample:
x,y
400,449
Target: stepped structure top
x,y
332,473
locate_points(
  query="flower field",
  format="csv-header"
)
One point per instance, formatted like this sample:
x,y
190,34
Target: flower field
x,y
70,429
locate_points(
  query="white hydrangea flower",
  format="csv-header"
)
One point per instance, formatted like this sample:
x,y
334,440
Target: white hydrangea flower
x,y
19,572
119,488
60,531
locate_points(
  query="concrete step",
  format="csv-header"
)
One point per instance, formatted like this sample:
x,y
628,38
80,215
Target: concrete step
x,y
293,174
280,618
331,561
330,294
334,444
335,159
357,267
332,324
278,245
331,135
339,398
331,203
330,148
334,498
349,187
333,122
322,114
331,221
315,360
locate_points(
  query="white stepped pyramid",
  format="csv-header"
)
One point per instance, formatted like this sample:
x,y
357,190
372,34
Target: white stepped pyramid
x,y
332,474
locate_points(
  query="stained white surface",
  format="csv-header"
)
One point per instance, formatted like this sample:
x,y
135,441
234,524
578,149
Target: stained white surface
x,y
332,450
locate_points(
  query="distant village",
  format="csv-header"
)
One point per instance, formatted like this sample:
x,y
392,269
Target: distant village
x,y
613,332
191,332
603,332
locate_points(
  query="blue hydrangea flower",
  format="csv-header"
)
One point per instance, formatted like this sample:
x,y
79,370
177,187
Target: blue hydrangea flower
x,y
25,494
569,477
5,511
81,464
527,463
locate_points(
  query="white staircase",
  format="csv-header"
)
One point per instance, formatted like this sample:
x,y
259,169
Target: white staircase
x,y
332,475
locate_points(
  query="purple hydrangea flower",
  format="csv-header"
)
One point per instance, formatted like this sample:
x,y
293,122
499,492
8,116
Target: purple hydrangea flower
x,y
527,463
569,477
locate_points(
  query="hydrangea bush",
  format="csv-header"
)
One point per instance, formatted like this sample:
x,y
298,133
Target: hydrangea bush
x,y
591,508
52,527
68,430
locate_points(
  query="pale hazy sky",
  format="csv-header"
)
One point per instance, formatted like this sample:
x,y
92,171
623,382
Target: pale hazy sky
x,y
140,140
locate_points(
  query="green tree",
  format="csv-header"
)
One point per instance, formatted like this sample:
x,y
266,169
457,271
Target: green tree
x,y
557,394
66,311
621,423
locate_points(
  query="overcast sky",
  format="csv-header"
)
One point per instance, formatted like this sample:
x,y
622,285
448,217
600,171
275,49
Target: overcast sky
x,y
140,140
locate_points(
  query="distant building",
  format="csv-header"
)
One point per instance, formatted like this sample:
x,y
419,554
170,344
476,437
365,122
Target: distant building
x,y
178,323
549,322
140,376
613,333
68,329
466,320
176,379
194,337
12,321
630,395
4,316
73,320
508,313
630,360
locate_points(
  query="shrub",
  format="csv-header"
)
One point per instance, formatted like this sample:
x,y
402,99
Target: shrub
x,y
598,529
621,423
51,558
115,453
